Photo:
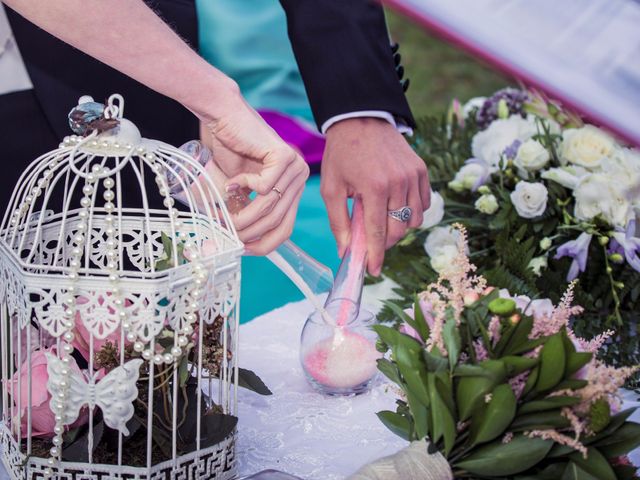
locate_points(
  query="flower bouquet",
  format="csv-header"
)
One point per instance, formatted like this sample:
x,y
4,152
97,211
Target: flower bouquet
x,y
501,390
546,199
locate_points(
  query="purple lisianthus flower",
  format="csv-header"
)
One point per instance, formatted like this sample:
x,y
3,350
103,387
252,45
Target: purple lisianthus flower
x,y
514,100
628,245
577,249
512,150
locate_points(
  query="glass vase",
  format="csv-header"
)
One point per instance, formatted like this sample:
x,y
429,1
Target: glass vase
x,y
339,359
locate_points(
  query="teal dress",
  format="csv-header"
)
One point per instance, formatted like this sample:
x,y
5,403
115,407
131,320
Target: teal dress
x,y
247,40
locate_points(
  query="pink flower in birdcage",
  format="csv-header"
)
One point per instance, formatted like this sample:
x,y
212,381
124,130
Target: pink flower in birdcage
x,y
42,418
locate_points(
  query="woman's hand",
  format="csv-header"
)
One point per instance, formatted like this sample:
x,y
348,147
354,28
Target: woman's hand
x,y
257,159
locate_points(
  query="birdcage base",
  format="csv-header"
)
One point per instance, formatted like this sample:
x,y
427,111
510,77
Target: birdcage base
x,y
213,463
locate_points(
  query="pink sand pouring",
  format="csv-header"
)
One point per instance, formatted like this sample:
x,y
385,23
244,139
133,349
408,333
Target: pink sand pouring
x,y
337,350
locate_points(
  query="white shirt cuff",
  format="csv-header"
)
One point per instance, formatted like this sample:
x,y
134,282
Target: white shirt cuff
x,y
400,126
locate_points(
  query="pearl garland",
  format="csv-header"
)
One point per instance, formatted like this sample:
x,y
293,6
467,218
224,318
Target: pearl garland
x,y
42,185
68,336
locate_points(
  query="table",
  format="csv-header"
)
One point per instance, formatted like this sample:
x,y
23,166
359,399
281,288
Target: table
x,y
297,430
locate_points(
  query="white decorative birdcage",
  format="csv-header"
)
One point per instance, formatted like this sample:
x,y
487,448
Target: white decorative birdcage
x,y
119,322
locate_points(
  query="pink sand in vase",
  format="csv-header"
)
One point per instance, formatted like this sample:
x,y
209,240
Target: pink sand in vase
x,y
345,364
339,353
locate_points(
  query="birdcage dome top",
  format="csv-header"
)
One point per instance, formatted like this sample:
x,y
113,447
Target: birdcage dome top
x,y
79,190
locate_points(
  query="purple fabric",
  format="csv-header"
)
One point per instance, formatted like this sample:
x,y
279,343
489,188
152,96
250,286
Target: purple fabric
x,y
296,133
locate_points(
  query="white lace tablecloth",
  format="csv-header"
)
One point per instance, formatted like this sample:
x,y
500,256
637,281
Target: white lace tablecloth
x,y
297,430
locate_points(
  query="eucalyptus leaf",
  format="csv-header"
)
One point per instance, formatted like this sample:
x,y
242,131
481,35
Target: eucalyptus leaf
x,y
452,341
395,422
502,459
549,403
413,372
594,464
390,370
621,442
552,419
552,363
574,472
491,420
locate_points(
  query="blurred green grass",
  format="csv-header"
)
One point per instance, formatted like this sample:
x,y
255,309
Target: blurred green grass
x,y
439,72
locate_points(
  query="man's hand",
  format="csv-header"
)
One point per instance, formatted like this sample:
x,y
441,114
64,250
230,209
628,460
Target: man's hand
x,y
367,156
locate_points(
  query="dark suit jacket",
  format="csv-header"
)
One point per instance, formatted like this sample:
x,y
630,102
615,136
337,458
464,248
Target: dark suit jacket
x,y
343,51
61,74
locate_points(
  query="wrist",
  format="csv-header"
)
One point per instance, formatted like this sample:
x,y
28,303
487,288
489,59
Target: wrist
x,y
358,125
212,96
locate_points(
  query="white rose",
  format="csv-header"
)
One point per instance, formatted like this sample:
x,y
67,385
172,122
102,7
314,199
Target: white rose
x,y
567,176
472,175
444,258
489,144
530,199
433,215
531,156
537,264
487,203
586,146
598,194
440,237
624,170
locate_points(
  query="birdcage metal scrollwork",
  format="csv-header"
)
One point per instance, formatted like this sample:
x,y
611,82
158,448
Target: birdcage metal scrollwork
x,y
108,293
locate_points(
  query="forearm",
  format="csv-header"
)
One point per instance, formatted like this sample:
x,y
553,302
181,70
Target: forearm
x,y
130,37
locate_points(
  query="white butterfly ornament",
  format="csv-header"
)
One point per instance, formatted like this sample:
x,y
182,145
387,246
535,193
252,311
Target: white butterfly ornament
x,y
114,394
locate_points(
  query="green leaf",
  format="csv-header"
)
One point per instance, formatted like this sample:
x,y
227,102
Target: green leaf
x,y
575,361
421,323
622,441
412,371
531,381
615,423
491,420
215,428
503,459
452,341
393,337
442,421
472,390
517,365
435,363
249,380
552,364
420,415
574,472
540,421
78,451
183,370
549,403
520,335
395,422
390,370
571,384
595,464
167,245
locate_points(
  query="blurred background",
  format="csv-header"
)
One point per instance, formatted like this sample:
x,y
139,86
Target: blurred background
x,y
438,71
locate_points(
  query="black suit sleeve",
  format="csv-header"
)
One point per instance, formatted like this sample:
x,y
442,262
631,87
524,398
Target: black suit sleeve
x,y
343,52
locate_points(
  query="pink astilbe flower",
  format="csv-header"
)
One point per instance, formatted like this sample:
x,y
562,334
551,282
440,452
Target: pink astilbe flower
x,y
559,317
559,438
494,330
518,383
595,344
481,352
450,291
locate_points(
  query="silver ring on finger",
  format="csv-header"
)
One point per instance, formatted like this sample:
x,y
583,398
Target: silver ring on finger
x,y
401,214
275,189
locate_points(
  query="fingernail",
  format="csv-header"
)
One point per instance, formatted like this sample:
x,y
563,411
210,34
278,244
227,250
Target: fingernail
x,y
232,187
